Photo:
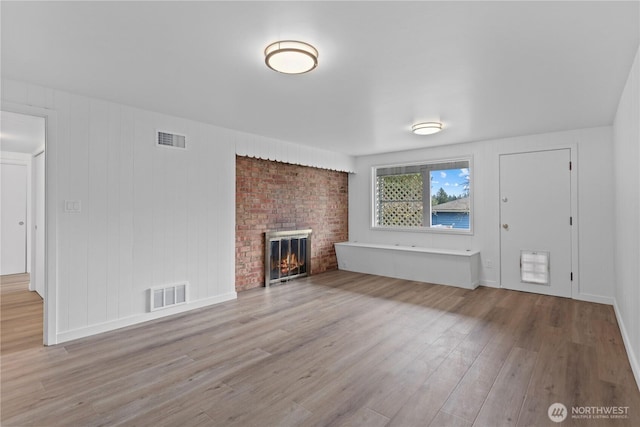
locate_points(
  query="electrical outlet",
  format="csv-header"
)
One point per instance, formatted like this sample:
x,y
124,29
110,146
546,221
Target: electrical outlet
x,y
488,264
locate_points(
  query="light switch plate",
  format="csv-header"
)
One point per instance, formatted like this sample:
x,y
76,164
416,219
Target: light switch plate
x,y
72,206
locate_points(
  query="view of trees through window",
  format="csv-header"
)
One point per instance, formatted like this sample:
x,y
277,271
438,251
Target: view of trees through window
x,y
401,192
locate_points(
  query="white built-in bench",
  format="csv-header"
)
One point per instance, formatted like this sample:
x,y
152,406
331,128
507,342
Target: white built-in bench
x,y
441,266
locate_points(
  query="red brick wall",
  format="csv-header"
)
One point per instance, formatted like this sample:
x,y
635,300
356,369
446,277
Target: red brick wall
x,y
279,196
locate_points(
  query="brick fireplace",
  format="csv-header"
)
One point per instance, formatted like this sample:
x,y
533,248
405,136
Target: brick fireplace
x,y
273,196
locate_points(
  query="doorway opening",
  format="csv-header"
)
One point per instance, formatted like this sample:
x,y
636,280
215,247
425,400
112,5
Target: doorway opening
x,y
23,221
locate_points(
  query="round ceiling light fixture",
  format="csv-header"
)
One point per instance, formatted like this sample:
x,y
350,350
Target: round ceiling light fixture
x,y
426,128
291,57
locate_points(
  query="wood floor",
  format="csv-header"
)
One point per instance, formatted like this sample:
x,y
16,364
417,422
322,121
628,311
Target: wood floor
x,y
338,348
20,315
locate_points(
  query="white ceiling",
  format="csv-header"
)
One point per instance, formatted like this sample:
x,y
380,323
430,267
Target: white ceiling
x,y
20,133
485,69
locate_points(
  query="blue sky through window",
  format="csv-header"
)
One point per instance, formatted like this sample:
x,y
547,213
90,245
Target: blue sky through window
x,y
455,182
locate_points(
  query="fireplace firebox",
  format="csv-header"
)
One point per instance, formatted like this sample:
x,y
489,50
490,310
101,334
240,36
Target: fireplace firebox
x,y
287,255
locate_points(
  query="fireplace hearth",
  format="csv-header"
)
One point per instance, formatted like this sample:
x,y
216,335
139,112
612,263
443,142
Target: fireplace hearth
x,y
287,255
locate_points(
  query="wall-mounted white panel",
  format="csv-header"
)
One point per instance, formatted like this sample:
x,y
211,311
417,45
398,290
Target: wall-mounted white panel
x,y
77,229
97,216
112,211
63,238
126,199
626,189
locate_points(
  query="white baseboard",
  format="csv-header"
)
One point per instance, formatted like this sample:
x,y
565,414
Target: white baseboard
x,y
633,360
139,318
595,298
489,283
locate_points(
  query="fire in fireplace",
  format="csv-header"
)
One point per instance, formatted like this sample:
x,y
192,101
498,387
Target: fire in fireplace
x,y
287,255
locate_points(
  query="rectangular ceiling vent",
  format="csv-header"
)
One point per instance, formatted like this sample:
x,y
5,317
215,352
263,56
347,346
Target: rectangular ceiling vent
x,y
167,296
166,139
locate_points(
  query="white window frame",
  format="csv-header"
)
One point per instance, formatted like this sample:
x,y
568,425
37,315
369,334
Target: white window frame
x,y
427,193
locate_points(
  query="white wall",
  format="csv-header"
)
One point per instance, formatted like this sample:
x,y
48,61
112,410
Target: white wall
x,y
150,216
626,149
595,200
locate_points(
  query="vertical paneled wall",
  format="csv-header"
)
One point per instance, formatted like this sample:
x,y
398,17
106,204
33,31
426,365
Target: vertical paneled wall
x,y
279,196
626,149
149,215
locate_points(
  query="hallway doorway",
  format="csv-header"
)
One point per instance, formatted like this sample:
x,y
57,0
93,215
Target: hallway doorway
x,y
22,147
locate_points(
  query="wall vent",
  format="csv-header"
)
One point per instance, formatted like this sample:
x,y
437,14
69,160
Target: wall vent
x,y
167,296
166,139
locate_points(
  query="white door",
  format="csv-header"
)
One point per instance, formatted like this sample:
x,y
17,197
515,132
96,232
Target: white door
x,y
37,271
535,216
13,219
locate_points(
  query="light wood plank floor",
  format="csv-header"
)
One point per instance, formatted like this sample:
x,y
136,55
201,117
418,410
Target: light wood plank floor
x,y
338,348
20,315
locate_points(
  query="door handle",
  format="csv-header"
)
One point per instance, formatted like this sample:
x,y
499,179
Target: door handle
x,y
505,226
21,223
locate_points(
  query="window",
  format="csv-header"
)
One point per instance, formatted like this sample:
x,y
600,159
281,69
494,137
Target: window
x,y
432,196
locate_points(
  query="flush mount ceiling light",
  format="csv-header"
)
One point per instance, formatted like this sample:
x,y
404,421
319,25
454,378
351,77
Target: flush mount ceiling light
x,y
426,128
291,57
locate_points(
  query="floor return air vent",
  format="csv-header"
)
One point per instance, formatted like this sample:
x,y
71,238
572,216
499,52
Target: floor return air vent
x,y
167,296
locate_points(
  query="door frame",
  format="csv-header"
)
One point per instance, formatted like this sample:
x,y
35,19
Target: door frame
x,y
575,256
51,215
35,210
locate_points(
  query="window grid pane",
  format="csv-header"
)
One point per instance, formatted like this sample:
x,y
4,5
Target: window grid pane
x,y
399,201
